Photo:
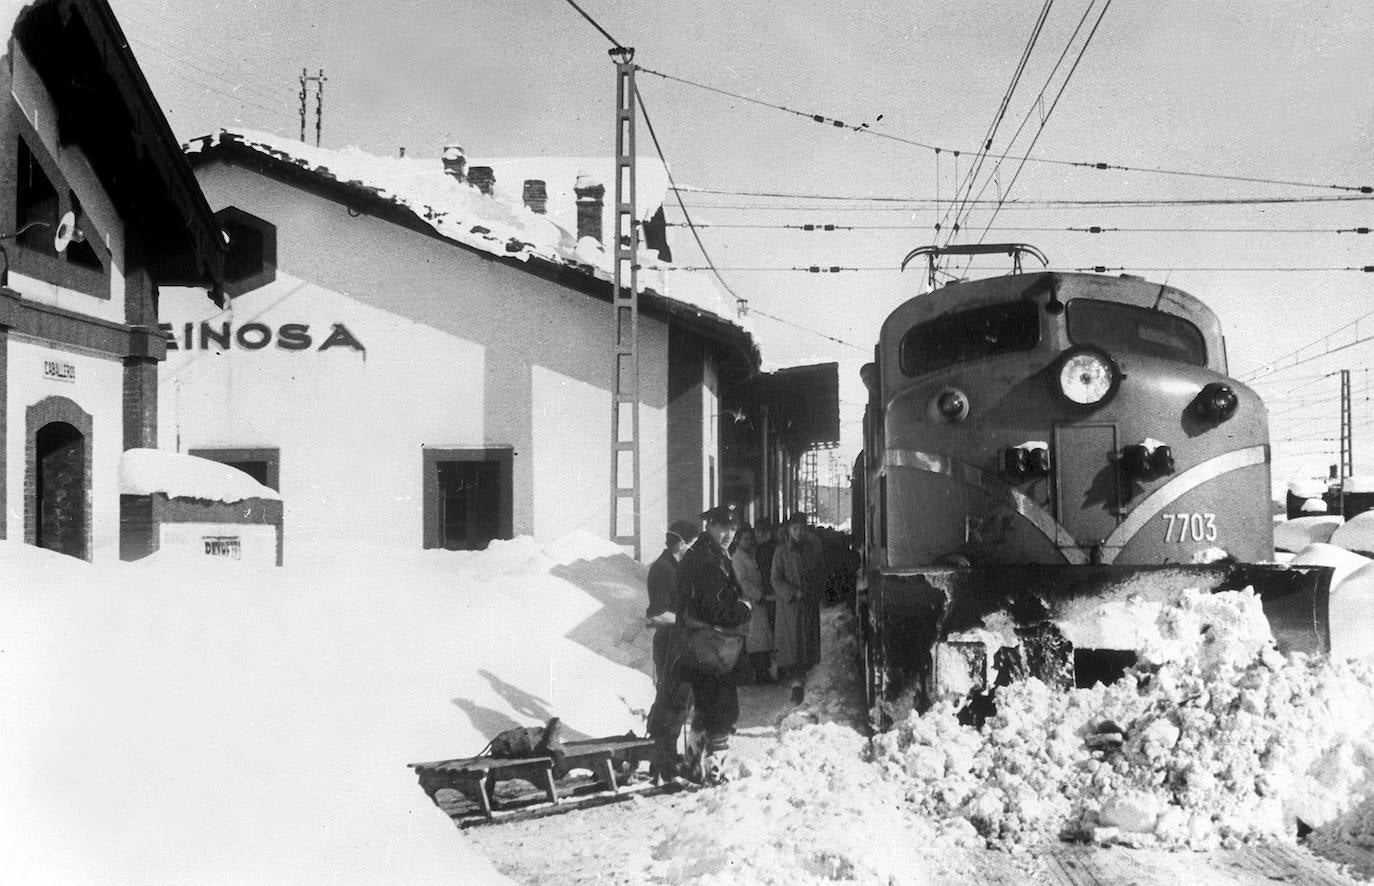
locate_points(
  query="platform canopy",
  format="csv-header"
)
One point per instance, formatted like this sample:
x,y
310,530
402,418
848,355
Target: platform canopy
x,y
806,402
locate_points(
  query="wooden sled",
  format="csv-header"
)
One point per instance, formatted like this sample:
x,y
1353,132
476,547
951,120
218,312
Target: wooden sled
x,y
485,790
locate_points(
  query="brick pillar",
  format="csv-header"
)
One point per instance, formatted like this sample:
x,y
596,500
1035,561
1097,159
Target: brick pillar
x,y
591,196
138,532
140,402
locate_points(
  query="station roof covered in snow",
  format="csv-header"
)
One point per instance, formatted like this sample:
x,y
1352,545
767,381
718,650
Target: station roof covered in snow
x,y
417,193
107,109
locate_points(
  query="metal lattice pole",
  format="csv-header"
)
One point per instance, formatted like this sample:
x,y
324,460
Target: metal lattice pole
x,y
625,498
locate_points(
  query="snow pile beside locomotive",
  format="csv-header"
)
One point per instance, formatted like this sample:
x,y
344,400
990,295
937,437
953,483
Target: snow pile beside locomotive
x,y
792,819
1212,740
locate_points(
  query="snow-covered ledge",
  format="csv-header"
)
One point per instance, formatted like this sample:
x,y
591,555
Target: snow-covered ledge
x,y
196,505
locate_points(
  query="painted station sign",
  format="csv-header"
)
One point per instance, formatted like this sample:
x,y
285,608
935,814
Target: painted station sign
x,y
59,370
254,336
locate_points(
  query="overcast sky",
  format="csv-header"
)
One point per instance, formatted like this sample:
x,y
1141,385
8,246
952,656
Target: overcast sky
x,y
1272,90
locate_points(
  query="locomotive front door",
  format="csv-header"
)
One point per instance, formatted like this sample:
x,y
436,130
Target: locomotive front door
x,y
1087,489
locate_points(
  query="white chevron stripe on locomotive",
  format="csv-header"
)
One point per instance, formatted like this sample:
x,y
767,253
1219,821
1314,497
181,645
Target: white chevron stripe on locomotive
x,y
1170,492
1045,522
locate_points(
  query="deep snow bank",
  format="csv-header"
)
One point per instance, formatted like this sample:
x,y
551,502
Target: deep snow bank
x,y
212,722
1218,739
811,810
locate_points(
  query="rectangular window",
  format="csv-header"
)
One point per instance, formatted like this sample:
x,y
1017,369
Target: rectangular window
x,y
467,497
965,336
1128,329
36,207
261,463
41,200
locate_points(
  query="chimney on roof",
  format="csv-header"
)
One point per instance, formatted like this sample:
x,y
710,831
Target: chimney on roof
x,y
591,195
536,196
454,161
482,178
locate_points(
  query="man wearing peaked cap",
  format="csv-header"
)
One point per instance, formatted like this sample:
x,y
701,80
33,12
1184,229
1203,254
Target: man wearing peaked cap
x,y
722,515
708,594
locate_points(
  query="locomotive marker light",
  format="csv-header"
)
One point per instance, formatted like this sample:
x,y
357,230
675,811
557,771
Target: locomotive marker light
x,y
1087,376
1029,459
1148,459
951,404
1216,402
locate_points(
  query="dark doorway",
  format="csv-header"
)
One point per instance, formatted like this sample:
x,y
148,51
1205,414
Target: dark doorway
x,y
469,504
467,497
60,489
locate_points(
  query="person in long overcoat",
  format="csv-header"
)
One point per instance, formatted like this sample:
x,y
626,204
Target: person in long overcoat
x,y
707,594
759,643
788,580
813,592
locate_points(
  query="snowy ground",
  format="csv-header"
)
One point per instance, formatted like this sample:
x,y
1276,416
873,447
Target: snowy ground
x,y
205,722
176,721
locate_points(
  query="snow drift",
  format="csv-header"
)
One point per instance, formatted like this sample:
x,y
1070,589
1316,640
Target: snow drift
x,y
1215,741
220,723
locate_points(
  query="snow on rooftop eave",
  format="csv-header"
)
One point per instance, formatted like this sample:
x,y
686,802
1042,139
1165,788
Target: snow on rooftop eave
x,y
699,298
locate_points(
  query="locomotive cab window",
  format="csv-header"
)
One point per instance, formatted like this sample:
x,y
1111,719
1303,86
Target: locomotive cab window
x,y
1128,329
969,335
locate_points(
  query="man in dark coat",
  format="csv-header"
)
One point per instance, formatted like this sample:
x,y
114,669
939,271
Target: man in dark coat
x,y
662,582
707,594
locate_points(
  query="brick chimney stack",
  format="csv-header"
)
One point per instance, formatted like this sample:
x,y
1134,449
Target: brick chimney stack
x,y
482,178
591,196
454,161
536,196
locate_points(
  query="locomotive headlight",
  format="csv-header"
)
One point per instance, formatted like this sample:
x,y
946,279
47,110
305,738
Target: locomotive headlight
x,y
1216,402
1088,376
951,404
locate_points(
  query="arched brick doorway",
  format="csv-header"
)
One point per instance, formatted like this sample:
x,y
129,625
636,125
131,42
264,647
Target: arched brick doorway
x,y
58,475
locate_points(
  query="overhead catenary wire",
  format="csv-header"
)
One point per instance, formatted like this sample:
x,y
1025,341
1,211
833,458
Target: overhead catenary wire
x,y
658,147
1096,269
740,303
833,227
1295,357
866,129
614,42
907,201
1045,117
164,39
200,84
986,146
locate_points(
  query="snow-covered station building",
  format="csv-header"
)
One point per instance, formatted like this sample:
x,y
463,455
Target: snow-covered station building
x,y
98,208
417,352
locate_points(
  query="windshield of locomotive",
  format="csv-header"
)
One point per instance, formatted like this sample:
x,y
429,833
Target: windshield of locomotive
x,y
1127,329
970,335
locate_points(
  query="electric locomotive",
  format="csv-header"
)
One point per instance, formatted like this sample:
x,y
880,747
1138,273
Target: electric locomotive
x,y
1044,454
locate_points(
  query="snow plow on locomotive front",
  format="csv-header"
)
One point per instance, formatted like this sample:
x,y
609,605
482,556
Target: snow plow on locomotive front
x,y
1050,458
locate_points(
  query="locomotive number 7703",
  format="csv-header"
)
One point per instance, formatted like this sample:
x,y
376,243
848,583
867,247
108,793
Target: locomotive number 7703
x,y
1190,527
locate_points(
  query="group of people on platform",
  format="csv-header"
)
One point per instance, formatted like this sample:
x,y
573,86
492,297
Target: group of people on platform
x,y
729,604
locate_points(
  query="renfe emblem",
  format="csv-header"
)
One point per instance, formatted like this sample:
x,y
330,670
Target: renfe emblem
x,y
59,370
